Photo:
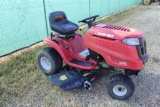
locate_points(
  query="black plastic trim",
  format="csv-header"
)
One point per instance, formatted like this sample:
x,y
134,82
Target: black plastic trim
x,y
142,50
82,63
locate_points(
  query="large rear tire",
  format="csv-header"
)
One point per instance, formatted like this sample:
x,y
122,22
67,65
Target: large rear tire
x,y
49,61
120,87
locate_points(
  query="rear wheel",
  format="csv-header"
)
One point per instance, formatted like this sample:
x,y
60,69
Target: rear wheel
x,y
147,2
49,61
120,86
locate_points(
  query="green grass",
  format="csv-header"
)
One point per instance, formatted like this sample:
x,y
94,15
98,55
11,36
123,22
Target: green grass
x,y
17,75
20,74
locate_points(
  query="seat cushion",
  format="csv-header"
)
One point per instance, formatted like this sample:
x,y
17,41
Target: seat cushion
x,y
64,27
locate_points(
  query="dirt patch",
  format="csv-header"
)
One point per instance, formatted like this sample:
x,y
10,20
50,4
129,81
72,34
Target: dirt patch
x,y
29,87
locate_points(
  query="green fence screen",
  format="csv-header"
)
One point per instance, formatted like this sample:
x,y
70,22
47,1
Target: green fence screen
x,y
23,22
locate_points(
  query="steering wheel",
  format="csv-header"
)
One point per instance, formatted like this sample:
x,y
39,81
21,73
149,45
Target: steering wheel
x,y
92,18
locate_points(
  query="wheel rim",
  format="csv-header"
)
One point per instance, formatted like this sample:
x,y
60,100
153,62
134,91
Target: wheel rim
x,y
119,90
146,2
45,63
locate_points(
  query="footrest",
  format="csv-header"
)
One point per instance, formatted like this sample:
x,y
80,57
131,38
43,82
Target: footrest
x,y
82,63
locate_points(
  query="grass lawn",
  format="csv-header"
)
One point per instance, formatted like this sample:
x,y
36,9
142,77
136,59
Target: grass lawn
x,y
17,75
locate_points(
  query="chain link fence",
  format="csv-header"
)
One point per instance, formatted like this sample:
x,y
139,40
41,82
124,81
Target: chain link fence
x,y
21,24
25,22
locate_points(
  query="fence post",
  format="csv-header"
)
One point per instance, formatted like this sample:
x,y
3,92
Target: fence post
x,y
45,15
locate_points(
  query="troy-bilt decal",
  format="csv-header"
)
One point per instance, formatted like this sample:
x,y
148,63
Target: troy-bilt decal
x,y
123,63
104,34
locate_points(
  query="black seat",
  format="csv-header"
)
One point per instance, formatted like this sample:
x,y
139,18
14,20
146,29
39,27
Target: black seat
x,y
60,24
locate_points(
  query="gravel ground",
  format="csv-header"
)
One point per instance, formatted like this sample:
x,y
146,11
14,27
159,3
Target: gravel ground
x,y
147,90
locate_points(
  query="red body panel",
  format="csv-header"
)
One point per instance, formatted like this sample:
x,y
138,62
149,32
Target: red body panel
x,y
75,46
108,44
106,40
114,32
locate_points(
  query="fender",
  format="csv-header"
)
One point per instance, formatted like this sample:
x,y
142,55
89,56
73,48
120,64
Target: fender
x,y
59,48
66,54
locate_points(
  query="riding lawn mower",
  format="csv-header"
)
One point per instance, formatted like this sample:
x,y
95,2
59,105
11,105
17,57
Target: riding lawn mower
x,y
71,60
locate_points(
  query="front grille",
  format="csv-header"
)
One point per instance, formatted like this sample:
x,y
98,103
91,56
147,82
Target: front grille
x,y
142,50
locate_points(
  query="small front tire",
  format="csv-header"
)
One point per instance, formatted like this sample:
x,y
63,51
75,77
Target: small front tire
x,y
120,87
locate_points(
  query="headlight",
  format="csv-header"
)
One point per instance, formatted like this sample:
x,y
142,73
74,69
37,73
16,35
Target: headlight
x,y
131,41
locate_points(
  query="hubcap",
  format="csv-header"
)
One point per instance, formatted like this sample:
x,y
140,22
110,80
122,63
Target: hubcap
x,y
45,63
119,90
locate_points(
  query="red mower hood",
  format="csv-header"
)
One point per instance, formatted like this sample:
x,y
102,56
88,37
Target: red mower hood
x,y
114,32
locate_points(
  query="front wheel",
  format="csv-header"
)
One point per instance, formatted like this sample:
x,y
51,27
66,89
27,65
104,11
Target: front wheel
x,y
120,87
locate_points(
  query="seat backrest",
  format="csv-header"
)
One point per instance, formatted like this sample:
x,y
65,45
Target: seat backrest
x,y
57,17
60,24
